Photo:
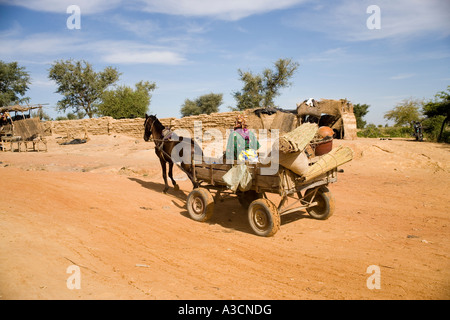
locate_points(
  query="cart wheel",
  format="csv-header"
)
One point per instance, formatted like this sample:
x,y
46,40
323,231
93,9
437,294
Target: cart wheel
x,y
200,204
325,203
247,197
263,217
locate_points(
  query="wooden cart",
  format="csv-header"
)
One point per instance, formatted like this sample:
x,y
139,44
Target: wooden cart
x,y
263,215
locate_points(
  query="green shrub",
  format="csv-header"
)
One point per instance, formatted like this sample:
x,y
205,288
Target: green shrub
x,y
446,136
432,127
370,131
398,132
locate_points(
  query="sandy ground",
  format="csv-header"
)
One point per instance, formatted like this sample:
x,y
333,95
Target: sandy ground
x,y
99,206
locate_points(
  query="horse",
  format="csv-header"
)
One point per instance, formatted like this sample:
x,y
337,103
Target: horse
x,y
163,149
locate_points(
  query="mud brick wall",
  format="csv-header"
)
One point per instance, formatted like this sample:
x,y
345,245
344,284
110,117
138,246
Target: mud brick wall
x,y
135,127
222,121
76,128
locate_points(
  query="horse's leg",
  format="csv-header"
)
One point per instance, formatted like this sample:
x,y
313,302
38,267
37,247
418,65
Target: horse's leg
x,y
164,174
175,186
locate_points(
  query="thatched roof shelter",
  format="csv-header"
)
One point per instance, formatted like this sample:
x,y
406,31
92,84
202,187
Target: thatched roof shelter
x,y
18,108
337,114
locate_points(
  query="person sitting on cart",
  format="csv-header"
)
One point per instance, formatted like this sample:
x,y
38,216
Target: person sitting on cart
x,y
242,143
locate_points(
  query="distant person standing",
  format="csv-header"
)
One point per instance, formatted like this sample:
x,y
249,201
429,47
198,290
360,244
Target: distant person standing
x,y
418,131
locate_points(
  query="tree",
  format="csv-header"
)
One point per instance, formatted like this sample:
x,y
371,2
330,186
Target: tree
x,y
439,107
360,110
405,112
259,90
14,81
81,86
41,114
126,102
207,103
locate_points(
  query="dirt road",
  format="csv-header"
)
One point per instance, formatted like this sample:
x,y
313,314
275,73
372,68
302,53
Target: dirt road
x,y
99,206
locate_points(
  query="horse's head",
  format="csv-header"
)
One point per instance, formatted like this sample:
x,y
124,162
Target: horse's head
x,y
148,126
152,126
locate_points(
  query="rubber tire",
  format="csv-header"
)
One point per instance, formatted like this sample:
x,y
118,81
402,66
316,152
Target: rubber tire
x,y
247,197
263,217
200,204
326,206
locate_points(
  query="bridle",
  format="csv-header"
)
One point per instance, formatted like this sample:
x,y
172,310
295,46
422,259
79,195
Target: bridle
x,y
151,127
159,143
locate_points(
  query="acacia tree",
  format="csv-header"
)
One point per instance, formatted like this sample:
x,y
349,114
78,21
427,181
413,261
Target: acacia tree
x,y
439,108
207,103
360,110
80,85
260,89
14,81
405,112
124,102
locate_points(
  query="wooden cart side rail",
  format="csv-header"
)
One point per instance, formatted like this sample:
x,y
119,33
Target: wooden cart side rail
x,y
259,182
284,182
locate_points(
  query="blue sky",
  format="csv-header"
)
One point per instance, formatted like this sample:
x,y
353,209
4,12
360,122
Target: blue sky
x,y
194,47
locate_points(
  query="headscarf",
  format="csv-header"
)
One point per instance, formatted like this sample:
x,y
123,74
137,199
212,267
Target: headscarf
x,y
240,122
241,126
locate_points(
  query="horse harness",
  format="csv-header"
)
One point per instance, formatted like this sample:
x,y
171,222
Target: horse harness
x,y
166,135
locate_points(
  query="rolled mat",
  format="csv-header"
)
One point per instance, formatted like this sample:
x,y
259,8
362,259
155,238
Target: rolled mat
x,y
298,139
329,161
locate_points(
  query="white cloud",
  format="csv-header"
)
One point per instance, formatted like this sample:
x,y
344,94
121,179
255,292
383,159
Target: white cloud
x,y
152,57
45,46
141,28
402,76
37,44
346,19
42,83
334,54
60,6
221,9
131,52
226,10
14,30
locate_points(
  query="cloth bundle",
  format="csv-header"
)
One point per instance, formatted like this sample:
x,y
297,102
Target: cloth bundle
x,y
250,155
238,177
